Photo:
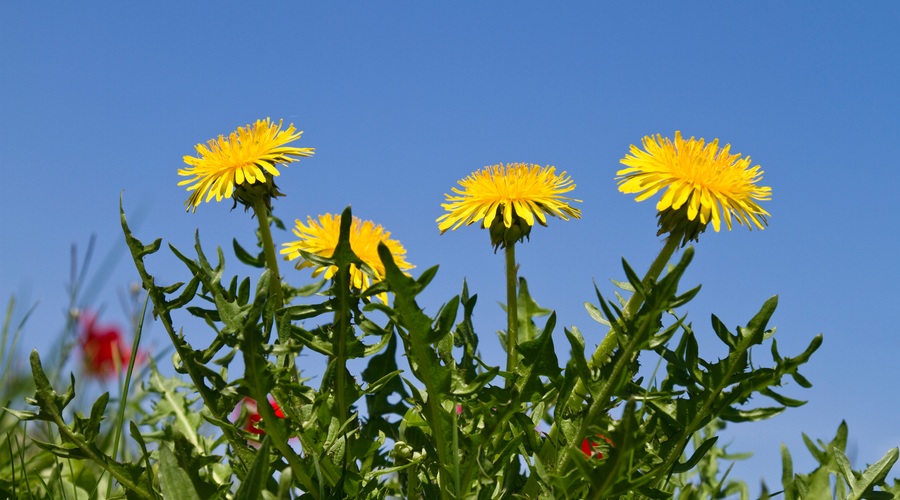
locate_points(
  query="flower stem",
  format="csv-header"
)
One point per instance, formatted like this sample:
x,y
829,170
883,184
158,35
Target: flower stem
x,y
275,291
512,312
342,329
275,429
604,350
262,215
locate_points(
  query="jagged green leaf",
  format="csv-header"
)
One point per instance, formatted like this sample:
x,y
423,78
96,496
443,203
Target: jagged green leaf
x,y
174,481
874,475
252,486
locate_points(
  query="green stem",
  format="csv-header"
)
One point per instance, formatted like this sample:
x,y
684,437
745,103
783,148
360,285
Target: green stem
x,y
162,308
123,393
705,411
455,451
262,216
52,412
99,459
342,328
275,429
603,352
629,351
605,349
275,290
512,312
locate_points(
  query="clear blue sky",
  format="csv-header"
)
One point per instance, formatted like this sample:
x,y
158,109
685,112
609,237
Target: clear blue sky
x,y
402,99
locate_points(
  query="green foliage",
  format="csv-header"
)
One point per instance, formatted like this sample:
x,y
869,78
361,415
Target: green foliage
x,y
834,478
425,416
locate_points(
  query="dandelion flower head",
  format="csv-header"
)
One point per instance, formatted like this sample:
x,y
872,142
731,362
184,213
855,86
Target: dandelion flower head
x,y
516,192
248,156
700,181
320,237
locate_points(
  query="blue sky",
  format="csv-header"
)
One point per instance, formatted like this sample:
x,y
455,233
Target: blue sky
x,y
402,99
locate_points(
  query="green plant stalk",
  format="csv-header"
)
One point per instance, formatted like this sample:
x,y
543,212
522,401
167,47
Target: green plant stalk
x,y
605,349
455,417
275,428
161,310
412,482
5,343
341,330
67,435
123,396
417,325
76,280
262,216
5,334
609,343
279,438
275,290
512,310
599,403
704,412
433,408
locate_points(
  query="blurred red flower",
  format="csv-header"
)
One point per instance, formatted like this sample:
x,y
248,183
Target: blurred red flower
x,y
253,418
103,348
589,446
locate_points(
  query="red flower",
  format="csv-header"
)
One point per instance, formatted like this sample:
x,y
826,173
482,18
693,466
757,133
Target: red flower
x,y
253,418
589,446
103,348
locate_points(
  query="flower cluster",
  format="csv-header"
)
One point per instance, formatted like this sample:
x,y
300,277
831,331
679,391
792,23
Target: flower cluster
x,y
700,182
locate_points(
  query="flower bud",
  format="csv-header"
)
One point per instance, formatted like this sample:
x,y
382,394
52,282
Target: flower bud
x,y
502,236
402,451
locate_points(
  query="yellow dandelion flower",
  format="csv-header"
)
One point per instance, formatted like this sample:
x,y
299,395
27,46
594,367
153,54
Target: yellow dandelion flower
x,y
701,181
510,198
247,157
321,238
